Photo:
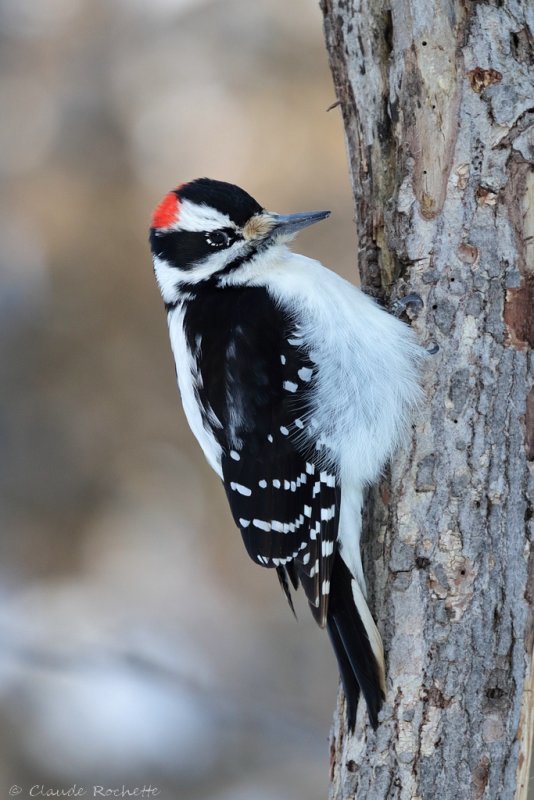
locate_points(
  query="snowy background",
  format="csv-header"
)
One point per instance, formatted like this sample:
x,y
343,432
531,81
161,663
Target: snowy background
x,y
138,643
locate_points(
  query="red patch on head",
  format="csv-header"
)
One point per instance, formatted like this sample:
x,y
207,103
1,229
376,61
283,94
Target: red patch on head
x,y
167,212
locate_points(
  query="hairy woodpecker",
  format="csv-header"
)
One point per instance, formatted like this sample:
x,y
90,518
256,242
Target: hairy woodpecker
x,y
298,388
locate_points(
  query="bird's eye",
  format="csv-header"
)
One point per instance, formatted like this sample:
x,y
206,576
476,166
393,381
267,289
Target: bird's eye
x,y
217,238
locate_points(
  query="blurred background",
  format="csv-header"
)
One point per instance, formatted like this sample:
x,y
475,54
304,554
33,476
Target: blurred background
x,y
138,643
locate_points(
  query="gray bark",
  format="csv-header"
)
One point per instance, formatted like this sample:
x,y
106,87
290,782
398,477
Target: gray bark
x,y
437,99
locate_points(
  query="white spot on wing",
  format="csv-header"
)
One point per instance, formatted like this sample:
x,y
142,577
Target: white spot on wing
x,y
282,359
289,386
244,522
235,455
244,490
262,525
262,484
305,373
328,513
283,430
330,480
327,548
276,483
308,511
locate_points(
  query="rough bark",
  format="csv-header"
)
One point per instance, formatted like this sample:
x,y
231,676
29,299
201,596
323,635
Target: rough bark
x,y
438,104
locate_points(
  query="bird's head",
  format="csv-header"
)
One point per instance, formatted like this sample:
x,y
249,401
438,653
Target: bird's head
x,y
206,230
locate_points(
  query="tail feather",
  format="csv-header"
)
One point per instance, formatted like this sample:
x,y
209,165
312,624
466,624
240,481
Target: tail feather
x,y
356,642
351,686
282,573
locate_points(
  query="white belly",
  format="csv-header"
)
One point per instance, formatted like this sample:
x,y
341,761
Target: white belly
x,y
368,376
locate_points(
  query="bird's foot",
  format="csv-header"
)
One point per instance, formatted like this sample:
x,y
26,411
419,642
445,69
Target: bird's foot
x,y
399,306
413,300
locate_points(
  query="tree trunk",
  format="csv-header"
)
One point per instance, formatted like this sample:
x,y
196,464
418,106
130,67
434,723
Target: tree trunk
x,y
438,104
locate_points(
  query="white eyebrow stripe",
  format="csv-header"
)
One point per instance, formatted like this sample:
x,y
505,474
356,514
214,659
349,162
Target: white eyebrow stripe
x,y
198,218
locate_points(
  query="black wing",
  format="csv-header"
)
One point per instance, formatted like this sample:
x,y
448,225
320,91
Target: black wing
x,y
255,376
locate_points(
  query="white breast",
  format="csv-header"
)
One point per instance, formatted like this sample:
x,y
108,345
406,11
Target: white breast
x,y
368,376
188,379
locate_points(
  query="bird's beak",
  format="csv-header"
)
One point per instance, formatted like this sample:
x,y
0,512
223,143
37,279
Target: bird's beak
x,y
288,224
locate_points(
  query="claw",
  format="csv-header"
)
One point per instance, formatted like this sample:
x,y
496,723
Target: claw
x,y
399,306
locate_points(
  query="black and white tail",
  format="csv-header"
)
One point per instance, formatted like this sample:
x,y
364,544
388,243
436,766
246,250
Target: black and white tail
x,y
356,642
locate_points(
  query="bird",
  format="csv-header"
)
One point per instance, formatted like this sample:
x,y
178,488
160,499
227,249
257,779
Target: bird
x,y
299,387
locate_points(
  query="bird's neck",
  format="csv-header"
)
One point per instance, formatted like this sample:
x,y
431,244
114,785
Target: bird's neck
x,y
177,287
